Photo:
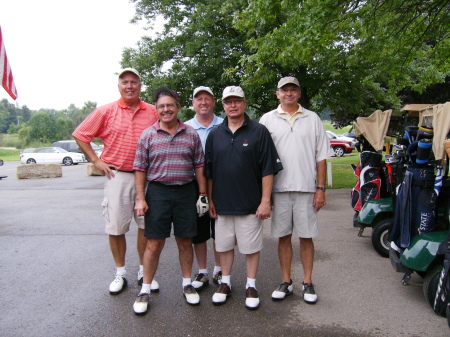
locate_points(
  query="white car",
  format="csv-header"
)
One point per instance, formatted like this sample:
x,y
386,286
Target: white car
x,y
45,155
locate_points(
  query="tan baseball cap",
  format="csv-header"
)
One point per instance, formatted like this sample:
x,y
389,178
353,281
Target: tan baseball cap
x,y
200,89
233,91
288,80
129,70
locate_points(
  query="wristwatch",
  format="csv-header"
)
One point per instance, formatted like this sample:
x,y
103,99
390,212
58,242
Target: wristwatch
x,y
321,188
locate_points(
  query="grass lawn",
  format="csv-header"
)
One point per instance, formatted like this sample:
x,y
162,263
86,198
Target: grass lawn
x,y
343,176
9,155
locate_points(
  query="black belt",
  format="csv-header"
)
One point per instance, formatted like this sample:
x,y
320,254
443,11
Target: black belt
x,y
122,170
174,186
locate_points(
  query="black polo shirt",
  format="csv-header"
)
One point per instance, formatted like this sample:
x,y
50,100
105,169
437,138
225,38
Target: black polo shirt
x,y
237,163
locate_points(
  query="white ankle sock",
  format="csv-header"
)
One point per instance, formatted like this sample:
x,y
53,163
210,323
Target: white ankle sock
x,y
121,271
141,268
227,280
217,269
145,288
203,271
186,281
251,282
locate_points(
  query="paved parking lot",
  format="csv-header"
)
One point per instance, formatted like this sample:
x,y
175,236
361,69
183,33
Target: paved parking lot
x,y
55,268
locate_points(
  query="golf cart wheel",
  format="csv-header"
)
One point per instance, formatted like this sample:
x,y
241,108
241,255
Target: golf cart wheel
x,y
31,161
67,161
448,314
380,237
339,151
430,283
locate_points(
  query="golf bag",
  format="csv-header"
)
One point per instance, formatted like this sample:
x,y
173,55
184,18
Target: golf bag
x,y
370,182
415,211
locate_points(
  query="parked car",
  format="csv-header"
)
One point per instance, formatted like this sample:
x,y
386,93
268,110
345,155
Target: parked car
x,y
45,155
30,149
72,146
340,147
349,134
332,134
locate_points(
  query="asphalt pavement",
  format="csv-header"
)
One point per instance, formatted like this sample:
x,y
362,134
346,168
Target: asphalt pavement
x,y
56,266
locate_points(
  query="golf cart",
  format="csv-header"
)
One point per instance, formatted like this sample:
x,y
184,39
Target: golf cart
x,y
373,197
422,203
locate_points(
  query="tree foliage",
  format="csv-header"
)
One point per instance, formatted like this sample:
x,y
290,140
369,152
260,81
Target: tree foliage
x,y
43,126
198,46
351,57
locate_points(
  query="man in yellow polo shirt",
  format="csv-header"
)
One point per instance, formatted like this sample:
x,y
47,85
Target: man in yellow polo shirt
x,y
299,189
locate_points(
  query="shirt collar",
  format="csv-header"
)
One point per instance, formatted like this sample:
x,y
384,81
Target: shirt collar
x,y
123,105
281,111
157,126
196,124
225,120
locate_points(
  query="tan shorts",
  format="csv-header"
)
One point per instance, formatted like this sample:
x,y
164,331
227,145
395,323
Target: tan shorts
x,y
294,211
246,231
118,204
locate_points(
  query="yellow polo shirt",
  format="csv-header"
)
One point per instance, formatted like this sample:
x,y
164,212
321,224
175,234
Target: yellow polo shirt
x,y
290,118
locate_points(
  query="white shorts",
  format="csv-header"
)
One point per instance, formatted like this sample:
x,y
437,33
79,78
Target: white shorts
x,y
118,204
294,211
244,230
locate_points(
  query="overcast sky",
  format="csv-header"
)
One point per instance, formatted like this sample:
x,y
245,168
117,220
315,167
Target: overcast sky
x,y
64,52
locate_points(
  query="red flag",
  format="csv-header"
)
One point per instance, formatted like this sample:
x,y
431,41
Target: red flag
x,y
5,71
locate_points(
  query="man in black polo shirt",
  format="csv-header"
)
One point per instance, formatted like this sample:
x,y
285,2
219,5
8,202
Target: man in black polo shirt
x,y
240,161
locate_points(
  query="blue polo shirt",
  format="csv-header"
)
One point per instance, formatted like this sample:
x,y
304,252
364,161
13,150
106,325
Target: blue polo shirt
x,y
203,131
237,162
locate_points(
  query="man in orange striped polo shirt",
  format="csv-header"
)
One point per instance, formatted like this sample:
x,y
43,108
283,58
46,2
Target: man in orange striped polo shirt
x,y
119,125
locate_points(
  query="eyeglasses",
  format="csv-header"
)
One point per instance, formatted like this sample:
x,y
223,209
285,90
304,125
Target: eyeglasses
x,y
292,90
231,101
168,106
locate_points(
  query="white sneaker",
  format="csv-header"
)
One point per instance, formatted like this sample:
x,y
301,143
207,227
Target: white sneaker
x,y
191,295
119,284
251,298
309,294
201,281
283,290
221,295
140,306
154,286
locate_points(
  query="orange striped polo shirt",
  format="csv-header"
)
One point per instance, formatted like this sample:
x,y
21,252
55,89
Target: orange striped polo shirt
x,y
119,128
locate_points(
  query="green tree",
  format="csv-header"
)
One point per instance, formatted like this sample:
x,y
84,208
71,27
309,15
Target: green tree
x,y
351,57
198,46
42,128
64,128
78,115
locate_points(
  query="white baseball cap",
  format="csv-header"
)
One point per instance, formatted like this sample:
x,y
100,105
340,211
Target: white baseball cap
x,y
233,91
129,70
200,89
288,80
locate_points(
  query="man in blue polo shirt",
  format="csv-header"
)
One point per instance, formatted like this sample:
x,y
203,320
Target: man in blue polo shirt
x,y
240,162
203,122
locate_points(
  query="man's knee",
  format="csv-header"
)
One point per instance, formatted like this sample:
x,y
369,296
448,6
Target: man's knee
x,y
285,240
184,243
155,246
306,243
